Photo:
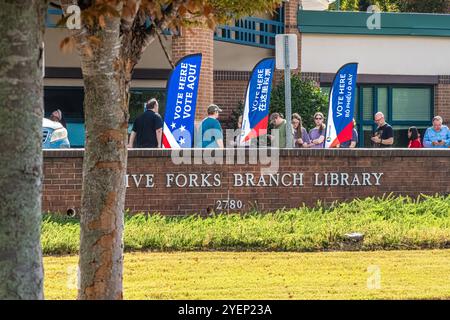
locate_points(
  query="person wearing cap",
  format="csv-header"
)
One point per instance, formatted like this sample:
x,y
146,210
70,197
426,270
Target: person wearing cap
x,y
437,136
57,116
278,123
147,128
210,131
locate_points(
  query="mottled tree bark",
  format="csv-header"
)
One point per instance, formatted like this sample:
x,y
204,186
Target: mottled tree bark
x,y
105,162
108,57
110,47
21,112
107,65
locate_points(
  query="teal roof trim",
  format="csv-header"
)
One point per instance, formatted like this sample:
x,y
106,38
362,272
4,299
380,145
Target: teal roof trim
x,y
343,22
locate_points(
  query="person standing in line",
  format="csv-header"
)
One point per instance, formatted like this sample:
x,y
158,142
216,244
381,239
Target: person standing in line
x,y
383,136
317,134
278,124
351,144
147,128
237,134
57,116
301,136
210,133
414,138
437,136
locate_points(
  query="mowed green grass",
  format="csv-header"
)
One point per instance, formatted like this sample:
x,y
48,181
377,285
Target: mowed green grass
x,y
387,223
423,274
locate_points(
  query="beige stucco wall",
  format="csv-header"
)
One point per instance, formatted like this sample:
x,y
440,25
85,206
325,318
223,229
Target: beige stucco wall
x,y
54,57
236,57
79,83
227,56
55,82
376,54
153,57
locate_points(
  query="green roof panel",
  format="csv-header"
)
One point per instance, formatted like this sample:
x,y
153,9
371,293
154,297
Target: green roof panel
x,y
344,22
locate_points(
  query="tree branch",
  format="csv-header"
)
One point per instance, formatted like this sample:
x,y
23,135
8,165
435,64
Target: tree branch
x,y
129,12
142,37
169,59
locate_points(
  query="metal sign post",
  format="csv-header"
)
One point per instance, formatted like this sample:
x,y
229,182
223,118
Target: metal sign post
x,y
286,59
287,93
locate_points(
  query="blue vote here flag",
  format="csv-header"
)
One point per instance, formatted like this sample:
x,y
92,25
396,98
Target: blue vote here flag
x,y
341,106
257,100
182,89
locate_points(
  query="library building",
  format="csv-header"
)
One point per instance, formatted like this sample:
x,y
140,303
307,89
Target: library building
x,y
404,72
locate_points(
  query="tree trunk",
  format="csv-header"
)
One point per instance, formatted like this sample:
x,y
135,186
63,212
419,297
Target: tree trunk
x,y
105,162
21,112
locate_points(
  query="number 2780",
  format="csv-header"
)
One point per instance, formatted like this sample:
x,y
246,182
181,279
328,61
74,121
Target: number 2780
x,y
230,204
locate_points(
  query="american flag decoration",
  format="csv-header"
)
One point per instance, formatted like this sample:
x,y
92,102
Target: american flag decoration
x,y
182,89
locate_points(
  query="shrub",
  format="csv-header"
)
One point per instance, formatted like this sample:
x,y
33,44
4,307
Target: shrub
x,y
307,99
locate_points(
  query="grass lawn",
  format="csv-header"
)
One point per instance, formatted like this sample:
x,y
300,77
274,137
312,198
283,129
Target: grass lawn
x,y
421,274
387,223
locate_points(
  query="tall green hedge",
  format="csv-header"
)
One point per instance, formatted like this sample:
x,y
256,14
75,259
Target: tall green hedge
x,y
307,99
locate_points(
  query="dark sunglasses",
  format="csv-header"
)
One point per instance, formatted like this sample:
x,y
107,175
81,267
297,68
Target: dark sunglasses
x,y
318,118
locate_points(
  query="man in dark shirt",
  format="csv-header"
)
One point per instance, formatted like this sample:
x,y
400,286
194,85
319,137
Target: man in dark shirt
x,y
147,128
384,135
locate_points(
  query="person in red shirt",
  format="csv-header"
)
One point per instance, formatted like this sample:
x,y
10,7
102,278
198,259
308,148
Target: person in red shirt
x,y
414,138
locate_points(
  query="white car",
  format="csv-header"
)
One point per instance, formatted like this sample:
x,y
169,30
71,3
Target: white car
x,y
54,135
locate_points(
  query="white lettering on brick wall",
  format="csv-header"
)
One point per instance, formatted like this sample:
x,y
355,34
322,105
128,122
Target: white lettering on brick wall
x,y
247,179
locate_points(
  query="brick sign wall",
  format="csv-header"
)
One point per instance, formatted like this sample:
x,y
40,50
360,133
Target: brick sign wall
x,y
156,184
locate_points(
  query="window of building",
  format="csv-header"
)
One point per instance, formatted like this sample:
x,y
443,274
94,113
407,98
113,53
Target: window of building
x,y
411,104
140,96
403,107
70,101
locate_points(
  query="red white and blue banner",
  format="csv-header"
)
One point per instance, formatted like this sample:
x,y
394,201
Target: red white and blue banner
x,y
341,106
182,89
257,100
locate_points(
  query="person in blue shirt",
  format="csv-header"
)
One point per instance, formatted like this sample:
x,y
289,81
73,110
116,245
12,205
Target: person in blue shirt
x,y
210,133
437,136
